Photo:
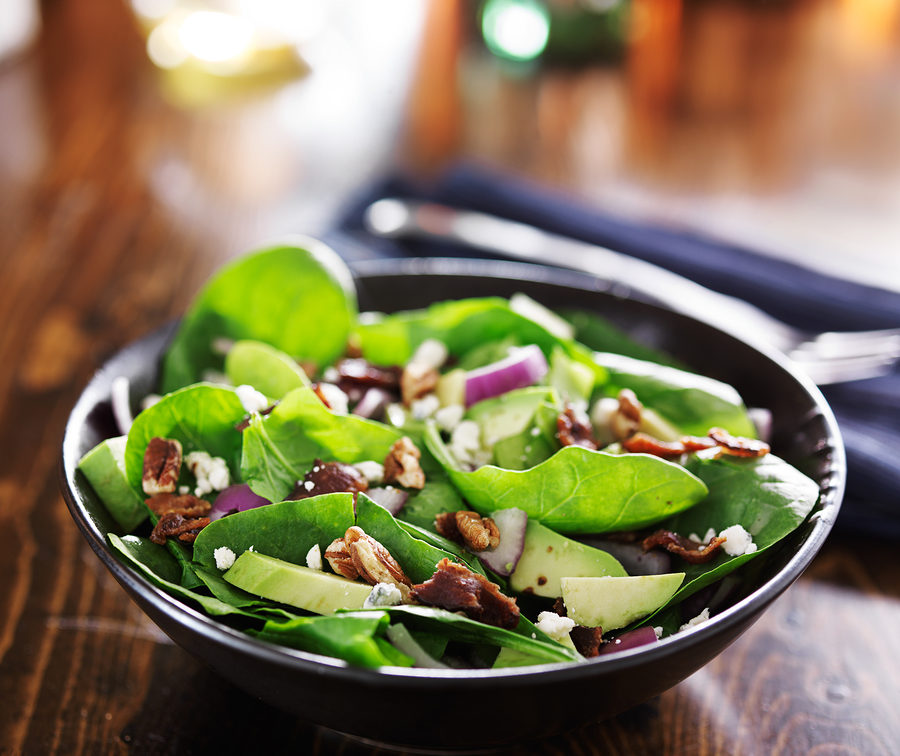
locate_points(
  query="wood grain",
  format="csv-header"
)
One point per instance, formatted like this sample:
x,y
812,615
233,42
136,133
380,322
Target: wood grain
x,y
116,204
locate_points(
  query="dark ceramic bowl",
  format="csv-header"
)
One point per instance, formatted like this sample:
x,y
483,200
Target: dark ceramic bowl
x,y
426,707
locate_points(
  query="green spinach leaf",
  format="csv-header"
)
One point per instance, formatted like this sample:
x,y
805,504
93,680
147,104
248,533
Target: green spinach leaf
x,y
264,367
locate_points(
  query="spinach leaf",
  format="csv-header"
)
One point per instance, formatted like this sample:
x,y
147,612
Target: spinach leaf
x,y
766,495
351,636
279,448
264,367
287,530
601,335
578,490
437,497
299,299
692,402
470,560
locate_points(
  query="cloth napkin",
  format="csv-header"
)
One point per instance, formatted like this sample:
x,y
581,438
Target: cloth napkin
x,y
868,412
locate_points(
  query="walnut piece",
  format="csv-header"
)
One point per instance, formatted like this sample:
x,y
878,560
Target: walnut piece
x,y
401,465
416,381
338,556
162,466
373,561
469,528
573,428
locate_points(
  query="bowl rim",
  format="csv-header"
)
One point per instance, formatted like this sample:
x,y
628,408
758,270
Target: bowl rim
x,y
722,623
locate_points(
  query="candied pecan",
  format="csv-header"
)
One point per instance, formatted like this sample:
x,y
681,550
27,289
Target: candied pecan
x,y
627,419
338,556
372,560
587,640
416,381
173,524
186,505
329,477
559,607
457,588
469,528
162,465
401,465
738,446
689,550
363,374
574,429
647,444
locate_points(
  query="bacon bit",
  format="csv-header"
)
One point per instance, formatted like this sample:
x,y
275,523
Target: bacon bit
x,y
173,524
587,640
574,429
245,423
456,588
469,529
738,446
360,373
401,465
186,505
329,477
162,466
643,443
416,381
688,549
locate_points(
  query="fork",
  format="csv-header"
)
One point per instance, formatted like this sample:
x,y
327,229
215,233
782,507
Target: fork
x,y
831,357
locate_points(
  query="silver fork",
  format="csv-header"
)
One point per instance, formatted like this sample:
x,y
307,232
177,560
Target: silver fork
x,y
832,357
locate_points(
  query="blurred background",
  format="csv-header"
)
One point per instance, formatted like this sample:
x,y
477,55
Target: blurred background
x,y
773,123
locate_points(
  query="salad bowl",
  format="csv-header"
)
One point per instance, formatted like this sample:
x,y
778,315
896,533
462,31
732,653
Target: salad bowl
x,y
480,708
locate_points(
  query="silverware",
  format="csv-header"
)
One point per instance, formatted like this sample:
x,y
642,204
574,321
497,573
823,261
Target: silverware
x,y
832,357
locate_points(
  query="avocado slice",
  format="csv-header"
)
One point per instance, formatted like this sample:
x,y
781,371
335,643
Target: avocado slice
x,y
508,414
104,467
612,602
573,380
287,583
549,556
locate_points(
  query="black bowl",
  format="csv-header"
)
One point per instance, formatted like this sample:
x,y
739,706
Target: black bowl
x,y
434,708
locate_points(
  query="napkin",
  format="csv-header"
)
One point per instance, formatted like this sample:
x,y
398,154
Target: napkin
x,y
868,411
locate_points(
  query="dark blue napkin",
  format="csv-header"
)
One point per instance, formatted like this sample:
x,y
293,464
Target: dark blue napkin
x,y
868,412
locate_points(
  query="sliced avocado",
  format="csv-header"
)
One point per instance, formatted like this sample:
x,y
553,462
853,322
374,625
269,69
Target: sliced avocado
x,y
549,556
508,414
451,388
264,367
654,424
287,583
104,467
533,445
613,602
573,380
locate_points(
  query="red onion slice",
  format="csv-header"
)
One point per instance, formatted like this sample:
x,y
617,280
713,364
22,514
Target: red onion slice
x,y
632,556
524,367
632,639
236,498
392,499
372,403
511,524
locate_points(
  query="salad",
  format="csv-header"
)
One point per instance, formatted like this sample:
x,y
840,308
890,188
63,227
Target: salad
x,y
467,485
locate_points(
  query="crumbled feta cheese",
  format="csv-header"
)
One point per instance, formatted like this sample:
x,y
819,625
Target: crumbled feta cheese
x,y
554,625
449,417
371,470
331,374
337,399
211,472
425,407
698,620
383,594
431,354
215,376
465,444
182,490
535,431
658,631
251,399
395,414
314,557
737,541
308,485
710,534
224,557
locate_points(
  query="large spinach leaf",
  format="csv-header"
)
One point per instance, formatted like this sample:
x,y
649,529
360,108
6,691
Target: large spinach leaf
x,y
578,490
298,298
279,448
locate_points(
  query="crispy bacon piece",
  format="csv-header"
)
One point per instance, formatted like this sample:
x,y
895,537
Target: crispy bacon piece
x,y
329,477
186,505
357,372
162,465
574,429
688,549
738,446
457,588
587,640
175,525
469,529
644,443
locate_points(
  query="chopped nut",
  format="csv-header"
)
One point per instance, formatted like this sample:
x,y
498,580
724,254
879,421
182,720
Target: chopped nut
x,y
574,429
688,549
173,524
373,561
417,380
186,505
401,465
338,556
738,446
627,419
468,528
162,466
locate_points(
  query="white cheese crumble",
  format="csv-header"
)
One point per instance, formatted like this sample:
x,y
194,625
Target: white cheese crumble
x,y
698,620
371,470
449,417
710,534
430,354
211,472
395,414
251,399
658,631
224,557
308,485
314,558
465,444
383,594
554,625
425,407
737,541
337,399
331,374
182,490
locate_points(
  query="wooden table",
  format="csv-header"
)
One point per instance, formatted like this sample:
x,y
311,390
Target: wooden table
x,y
116,202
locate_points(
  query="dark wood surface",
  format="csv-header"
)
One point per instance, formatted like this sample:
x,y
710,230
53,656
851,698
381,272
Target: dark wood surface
x,y
116,203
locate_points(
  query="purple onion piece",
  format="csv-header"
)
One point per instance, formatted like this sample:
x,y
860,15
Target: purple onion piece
x,y
392,499
372,403
524,367
632,639
511,523
633,558
236,498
